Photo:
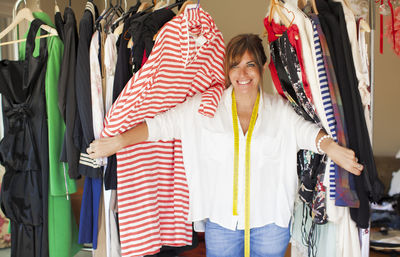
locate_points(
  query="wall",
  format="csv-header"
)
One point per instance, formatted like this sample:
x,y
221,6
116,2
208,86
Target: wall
x,y
387,91
234,16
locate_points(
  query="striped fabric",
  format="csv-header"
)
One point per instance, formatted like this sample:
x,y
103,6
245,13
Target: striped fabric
x,y
327,103
153,198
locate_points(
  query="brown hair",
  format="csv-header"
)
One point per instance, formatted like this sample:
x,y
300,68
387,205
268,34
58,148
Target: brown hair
x,y
237,47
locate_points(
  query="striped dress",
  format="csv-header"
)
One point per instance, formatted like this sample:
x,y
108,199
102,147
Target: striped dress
x,y
153,201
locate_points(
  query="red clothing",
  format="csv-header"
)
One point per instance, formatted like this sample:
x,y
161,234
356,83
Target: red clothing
x,y
294,38
152,190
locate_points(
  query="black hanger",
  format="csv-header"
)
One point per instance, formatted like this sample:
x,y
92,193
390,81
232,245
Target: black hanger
x,y
178,3
125,15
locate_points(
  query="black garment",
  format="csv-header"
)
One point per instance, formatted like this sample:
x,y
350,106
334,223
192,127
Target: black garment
x,y
367,185
24,149
142,28
310,165
142,31
123,68
59,25
66,90
83,127
123,72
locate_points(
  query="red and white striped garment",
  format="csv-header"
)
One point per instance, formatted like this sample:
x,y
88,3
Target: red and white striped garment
x,y
153,198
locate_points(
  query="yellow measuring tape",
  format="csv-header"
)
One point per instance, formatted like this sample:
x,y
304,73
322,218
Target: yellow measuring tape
x,y
247,163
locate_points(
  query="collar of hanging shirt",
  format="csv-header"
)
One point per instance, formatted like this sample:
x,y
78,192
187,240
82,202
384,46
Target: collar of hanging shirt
x,y
247,165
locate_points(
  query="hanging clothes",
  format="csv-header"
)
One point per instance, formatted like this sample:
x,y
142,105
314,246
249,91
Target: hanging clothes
x,y
187,58
83,130
142,31
110,196
66,89
60,185
367,185
285,66
141,28
83,133
24,149
123,72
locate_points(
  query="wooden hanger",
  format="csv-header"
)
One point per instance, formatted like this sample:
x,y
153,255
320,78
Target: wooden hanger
x,y
276,7
26,14
314,7
159,5
56,8
183,8
364,26
144,6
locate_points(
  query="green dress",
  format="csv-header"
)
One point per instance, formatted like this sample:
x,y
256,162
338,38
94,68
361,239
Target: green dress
x,y
63,230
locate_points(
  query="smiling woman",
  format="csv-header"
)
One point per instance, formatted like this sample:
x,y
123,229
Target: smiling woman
x,y
222,191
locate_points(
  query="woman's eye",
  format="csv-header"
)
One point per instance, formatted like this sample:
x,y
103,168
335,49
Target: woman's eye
x,y
251,64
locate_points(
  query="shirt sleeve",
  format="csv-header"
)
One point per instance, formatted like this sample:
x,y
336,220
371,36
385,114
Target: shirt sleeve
x,y
212,96
172,123
305,131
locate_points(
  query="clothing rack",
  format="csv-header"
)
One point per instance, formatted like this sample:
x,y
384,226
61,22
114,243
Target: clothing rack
x,y
372,60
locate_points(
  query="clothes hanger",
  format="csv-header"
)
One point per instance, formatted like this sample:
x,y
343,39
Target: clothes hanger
x,y
117,29
160,4
56,8
145,6
276,7
26,14
364,26
314,7
183,8
183,5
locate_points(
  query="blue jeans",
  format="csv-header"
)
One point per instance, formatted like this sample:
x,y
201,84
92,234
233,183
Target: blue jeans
x,y
268,241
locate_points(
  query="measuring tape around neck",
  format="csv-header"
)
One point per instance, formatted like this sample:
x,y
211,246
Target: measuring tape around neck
x,y
247,164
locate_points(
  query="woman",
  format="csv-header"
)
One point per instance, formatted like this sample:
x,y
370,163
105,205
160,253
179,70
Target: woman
x,y
219,154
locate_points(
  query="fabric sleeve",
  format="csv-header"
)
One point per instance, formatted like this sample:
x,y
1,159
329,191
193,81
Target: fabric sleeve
x,y
305,131
211,97
119,117
171,124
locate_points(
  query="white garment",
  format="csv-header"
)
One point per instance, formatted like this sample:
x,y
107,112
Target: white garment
x,y
96,87
110,61
362,44
347,238
207,145
362,74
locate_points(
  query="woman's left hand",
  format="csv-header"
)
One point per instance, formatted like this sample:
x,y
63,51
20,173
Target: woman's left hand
x,y
343,157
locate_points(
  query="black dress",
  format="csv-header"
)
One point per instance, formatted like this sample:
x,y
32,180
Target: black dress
x,y
367,185
24,149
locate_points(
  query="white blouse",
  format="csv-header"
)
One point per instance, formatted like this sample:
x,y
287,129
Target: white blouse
x,y
208,148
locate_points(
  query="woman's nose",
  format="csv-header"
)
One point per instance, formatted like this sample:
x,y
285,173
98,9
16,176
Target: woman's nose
x,y
242,72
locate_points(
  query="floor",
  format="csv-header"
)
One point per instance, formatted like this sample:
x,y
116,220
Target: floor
x,y
198,252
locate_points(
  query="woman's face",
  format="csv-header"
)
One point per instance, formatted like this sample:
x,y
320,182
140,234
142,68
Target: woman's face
x,y
245,76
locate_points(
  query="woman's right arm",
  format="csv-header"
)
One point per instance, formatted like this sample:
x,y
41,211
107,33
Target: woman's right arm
x,y
107,146
164,126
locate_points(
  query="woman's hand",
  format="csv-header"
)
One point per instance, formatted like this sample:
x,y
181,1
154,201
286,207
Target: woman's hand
x,y
104,147
342,156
